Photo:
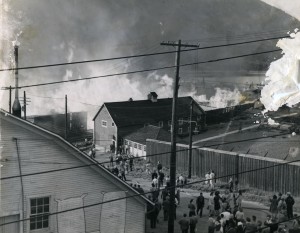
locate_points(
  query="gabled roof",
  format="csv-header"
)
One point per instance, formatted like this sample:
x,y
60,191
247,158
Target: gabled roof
x,y
139,112
71,147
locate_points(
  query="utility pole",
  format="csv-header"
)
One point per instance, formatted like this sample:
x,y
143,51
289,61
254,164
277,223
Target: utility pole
x,y
24,105
190,141
66,117
9,103
173,134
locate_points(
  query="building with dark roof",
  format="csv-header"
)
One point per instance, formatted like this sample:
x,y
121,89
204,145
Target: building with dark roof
x,y
115,120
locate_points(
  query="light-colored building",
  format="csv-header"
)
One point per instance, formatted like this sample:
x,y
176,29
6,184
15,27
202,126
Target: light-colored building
x,y
136,142
66,178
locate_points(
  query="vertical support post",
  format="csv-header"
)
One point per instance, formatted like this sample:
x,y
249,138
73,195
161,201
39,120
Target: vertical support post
x,y
173,143
237,162
173,135
25,105
190,140
66,117
9,103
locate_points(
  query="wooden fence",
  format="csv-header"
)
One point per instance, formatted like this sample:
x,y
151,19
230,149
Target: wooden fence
x,y
276,176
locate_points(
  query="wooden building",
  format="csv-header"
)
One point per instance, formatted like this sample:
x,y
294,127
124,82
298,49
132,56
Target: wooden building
x,y
66,178
115,120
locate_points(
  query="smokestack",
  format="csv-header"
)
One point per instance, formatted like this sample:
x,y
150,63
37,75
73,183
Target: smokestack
x,y
16,109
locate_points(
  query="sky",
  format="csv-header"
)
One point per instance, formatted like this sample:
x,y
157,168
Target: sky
x,y
72,30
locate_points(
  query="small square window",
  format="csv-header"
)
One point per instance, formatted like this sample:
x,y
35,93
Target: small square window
x,y
113,124
104,123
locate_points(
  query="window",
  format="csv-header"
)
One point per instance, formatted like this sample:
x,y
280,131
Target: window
x,y
180,121
140,146
161,124
39,206
180,130
135,146
104,123
113,124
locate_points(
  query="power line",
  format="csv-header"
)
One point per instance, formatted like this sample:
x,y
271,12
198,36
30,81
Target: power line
x,y
150,192
146,70
142,55
161,153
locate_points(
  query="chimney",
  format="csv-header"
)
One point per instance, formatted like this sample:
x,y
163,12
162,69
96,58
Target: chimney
x,y
16,109
152,96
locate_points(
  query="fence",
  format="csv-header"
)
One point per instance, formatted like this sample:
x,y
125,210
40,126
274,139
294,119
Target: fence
x,y
278,177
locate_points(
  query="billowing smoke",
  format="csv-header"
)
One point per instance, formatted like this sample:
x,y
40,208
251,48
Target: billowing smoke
x,y
72,30
283,76
222,98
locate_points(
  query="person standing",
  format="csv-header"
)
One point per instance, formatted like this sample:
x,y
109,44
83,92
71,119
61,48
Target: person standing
x,y
230,184
193,224
184,224
161,177
200,204
192,208
159,166
274,206
151,214
239,199
289,205
131,163
207,177
212,178
111,158
211,224
166,207
210,206
177,195
217,205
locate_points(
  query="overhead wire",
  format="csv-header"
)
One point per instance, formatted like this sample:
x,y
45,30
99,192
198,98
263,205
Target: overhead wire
x,y
145,70
142,55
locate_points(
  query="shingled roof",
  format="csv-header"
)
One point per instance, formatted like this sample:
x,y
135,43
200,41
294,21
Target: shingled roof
x,y
145,111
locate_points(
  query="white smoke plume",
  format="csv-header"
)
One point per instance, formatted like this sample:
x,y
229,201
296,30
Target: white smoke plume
x,y
222,98
283,76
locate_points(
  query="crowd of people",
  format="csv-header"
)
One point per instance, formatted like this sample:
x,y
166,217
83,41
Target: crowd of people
x,y
226,215
225,211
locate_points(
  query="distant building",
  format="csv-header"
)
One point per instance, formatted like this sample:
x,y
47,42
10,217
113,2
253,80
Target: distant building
x,y
115,120
135,142
76,123
27,148
219,115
